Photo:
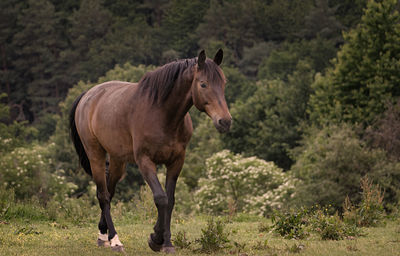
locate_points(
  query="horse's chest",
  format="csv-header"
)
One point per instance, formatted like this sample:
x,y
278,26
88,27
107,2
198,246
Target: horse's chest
x,y
161,150
165,153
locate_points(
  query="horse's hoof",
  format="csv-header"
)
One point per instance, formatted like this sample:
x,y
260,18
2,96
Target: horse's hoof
x,y
102,243
169,249
118,248
155,247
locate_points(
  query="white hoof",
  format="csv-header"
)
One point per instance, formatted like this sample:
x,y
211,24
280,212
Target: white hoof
x,y
116,245
102,240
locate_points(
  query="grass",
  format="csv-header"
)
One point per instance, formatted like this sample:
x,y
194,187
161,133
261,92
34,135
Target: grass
x,y
24,237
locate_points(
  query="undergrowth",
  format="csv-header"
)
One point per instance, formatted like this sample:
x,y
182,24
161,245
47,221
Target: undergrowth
x,y
298,224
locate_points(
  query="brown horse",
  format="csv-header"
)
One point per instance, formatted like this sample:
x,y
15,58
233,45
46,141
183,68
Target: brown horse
x,y
146,123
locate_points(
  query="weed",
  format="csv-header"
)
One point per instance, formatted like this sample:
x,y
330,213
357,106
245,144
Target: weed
x,y
370,211
263,227
181,240
295,248
213,237
261,245
352,248
238,247
27,231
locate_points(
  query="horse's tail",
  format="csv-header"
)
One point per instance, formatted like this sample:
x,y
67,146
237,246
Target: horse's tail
x,y
80,150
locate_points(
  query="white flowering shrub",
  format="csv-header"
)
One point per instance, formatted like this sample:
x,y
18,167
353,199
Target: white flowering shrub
x,y
30,172
253,185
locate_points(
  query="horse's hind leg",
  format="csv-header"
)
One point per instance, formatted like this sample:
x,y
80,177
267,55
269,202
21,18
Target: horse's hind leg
x,y
99,176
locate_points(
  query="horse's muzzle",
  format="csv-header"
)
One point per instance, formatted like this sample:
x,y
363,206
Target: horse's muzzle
x,y
223,125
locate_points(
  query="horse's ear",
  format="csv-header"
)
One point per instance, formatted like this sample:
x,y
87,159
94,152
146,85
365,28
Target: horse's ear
x,y
218,57
201,60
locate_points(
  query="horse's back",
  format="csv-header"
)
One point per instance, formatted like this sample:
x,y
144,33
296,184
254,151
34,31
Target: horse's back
x,y
102,117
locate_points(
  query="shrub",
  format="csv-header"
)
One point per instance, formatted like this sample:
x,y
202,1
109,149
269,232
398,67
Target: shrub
x,y
30,172
330,164
331,227
213,237
12,134
250,184
181,240
298,224
290,224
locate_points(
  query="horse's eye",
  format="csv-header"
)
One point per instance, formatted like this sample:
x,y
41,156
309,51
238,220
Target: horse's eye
x,y
203,85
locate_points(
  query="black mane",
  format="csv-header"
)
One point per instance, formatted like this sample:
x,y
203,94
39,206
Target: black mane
x,y
159,83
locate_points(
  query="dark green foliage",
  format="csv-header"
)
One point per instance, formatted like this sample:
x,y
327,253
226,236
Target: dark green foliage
x,y
233,32
267,123
181,19
283,61
38,46
13,134
365,75
331,163
384,133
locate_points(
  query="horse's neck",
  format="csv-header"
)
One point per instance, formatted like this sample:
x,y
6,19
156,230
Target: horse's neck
x,y
179,102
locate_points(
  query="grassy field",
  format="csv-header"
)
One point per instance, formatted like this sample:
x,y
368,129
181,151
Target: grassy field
x,y
51,238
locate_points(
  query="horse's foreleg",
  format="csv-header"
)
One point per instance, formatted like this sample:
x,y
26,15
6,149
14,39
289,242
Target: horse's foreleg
x,y
148,170
173,172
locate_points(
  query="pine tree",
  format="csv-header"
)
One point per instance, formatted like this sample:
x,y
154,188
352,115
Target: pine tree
x,y
366,73
38,45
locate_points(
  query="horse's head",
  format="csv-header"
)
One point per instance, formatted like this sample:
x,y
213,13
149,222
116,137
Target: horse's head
x,y
208,90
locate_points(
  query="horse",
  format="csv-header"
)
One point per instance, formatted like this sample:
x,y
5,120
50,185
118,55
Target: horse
x,y
148,124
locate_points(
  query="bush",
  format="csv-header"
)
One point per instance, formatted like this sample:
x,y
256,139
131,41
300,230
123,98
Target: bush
x,y
181,240
30,172
331,227
12,134
330,164
213,237
290,224
250,184
298,224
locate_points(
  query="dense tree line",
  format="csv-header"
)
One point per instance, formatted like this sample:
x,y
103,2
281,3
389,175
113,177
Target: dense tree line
x,y
47,46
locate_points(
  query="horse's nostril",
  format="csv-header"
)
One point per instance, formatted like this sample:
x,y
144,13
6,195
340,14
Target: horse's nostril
x,y
224,122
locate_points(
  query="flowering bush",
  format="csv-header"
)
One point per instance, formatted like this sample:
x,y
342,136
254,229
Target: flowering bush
x,y
30,172
254,185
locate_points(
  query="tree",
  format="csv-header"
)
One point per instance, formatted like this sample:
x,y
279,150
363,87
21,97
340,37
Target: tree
x,y
179,24
8,20
221,22
365,75
88,27
267,124
237,183
38,46
330,163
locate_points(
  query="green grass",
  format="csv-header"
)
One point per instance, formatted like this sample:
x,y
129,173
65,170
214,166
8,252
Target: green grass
x,y
19,237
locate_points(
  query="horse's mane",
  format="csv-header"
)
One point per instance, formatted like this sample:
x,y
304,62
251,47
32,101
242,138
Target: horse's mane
x,y
158,84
